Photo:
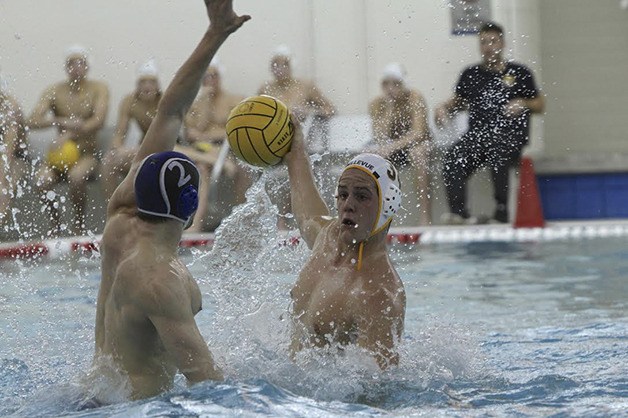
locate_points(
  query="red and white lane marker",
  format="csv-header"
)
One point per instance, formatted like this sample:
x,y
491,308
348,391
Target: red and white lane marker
x,y
54,248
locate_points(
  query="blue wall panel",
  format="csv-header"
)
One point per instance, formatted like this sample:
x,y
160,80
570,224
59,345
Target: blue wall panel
x,y
584,196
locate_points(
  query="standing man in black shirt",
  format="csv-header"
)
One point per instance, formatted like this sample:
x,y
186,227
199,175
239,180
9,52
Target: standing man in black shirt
x,y
499,96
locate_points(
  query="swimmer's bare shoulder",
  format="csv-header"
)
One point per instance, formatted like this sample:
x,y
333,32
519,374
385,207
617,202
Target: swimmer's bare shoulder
x,y
123,198
164,295
153,284
317,227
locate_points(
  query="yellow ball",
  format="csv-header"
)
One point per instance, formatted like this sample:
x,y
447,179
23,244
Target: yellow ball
x,y
64,156
260,131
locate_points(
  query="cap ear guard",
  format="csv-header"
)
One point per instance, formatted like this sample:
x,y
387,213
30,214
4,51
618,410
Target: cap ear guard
x,y
391,202
187,202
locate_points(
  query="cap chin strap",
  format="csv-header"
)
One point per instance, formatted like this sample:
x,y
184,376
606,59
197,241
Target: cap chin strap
x,y
361,246
360,253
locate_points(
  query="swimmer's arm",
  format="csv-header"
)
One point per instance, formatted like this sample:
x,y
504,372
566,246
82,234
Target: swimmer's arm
x,y
122,126
378,336
307,204
380,324
298,330
101,107
182,91
167,305
186,346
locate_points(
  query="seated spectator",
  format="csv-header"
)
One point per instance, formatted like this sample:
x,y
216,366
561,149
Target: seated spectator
x,y
204,135
401,132
77,108
303,99
139,106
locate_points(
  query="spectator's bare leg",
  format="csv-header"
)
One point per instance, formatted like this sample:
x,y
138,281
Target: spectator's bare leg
x,y
420,155
77,180
46,180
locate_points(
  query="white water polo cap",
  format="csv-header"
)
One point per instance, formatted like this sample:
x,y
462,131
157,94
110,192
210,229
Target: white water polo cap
x,y
388,187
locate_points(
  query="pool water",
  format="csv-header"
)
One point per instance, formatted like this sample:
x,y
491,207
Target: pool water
x,y
501,328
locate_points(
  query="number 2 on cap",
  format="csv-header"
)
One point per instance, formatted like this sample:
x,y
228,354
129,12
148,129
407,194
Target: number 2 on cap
x,y
182,177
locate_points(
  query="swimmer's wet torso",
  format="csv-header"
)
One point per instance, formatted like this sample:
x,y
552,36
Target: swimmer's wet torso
x,y
126,329
335,304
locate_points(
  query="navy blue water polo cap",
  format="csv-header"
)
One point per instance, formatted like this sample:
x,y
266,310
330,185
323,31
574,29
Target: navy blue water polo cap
x,y
166,185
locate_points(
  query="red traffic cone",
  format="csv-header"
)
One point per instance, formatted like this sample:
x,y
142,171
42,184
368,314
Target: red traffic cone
x,y
529,209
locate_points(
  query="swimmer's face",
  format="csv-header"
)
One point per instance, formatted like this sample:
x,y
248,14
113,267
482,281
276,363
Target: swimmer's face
x,y
147,88
491,46
280,67
211,80
392,88
357,202
76,68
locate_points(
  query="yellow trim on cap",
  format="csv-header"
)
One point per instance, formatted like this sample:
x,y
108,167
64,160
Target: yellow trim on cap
x,y
379,193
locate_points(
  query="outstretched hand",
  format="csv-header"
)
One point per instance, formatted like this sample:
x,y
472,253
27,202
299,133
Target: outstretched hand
x,y
222,17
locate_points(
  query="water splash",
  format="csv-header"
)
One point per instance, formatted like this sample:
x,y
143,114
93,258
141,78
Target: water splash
x,y
248,276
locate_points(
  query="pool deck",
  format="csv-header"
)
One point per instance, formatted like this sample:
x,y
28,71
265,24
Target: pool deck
x,y
553,231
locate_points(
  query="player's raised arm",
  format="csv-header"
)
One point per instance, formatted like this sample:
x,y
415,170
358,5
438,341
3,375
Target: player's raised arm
x,y
307,203
180,94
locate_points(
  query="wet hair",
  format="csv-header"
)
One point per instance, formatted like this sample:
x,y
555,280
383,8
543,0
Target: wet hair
x,y
492,27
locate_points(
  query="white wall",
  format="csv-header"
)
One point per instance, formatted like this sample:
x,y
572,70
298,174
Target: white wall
x,y
585,60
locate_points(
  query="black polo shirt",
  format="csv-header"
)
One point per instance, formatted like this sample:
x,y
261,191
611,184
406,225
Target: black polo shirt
x,y
487,92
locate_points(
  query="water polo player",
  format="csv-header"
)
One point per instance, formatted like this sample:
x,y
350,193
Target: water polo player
x,y
145,327
348,292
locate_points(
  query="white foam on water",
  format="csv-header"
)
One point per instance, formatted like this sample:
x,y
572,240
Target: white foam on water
x,y
248,277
